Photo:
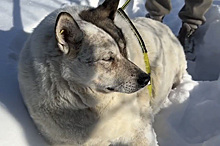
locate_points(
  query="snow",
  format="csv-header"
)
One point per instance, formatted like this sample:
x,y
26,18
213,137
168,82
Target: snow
x,y
189,117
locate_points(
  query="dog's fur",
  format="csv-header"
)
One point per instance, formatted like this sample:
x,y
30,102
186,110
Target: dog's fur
x,y
78,66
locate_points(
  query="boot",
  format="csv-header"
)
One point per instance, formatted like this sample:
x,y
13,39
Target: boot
x,y
186,39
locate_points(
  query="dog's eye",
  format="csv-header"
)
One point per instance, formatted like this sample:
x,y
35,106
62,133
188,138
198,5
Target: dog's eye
x,y
109,59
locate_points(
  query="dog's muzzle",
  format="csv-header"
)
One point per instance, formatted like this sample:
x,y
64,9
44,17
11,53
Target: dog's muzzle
x,y
133,85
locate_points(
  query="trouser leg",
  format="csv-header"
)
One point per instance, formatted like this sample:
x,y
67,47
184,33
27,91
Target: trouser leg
x,y
193,12
158,8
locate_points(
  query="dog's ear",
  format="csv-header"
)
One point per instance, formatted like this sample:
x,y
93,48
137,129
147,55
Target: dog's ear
x,y
104,11
108,9
67,32
103,16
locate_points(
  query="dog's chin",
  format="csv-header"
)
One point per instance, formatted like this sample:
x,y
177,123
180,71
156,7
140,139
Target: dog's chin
x,y
122,90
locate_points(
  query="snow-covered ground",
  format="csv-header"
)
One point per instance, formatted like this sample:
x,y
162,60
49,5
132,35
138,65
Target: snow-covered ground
x,y
191,114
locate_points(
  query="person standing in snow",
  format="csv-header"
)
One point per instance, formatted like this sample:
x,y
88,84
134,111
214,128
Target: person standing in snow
x,y
192,15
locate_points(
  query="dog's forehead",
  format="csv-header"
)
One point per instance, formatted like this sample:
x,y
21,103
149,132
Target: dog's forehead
x,y
97,36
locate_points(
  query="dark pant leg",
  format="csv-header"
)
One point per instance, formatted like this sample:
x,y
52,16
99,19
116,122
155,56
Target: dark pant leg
x,y
193,12
158,8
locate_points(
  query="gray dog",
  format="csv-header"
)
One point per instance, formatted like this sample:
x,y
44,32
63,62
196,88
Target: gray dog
x,y
81,74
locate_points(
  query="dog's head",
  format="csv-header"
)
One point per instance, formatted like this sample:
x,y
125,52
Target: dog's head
x,y
92,51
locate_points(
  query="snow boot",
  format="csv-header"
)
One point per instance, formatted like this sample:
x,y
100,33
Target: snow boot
x,y
187,41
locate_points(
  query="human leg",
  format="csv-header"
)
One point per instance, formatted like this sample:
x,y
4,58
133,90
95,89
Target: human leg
x,y
192,15
158,8
193,12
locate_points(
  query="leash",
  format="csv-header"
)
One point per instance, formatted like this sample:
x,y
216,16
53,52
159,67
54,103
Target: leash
x,y
141,42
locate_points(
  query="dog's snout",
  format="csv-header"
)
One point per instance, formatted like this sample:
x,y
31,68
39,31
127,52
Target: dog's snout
x,y
143,79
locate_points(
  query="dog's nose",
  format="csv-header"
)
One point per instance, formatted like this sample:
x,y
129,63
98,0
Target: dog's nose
x,y
143,79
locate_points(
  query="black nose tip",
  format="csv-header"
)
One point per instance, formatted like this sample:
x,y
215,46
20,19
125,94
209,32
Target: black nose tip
x,y
143,79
